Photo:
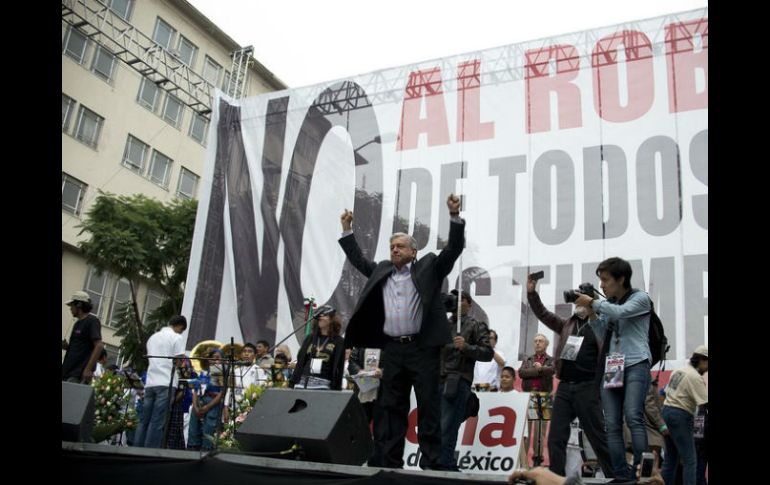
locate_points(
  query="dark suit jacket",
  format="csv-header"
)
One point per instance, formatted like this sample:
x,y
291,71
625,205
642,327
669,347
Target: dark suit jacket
x,y
365,328
528,372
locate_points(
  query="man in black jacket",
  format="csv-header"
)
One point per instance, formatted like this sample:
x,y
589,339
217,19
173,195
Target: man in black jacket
x,y
458,360
577,364
400,310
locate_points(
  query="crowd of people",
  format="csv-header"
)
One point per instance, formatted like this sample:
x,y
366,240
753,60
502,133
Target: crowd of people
x,y
402,311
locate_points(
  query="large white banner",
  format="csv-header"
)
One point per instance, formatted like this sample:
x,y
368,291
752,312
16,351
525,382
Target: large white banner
x,y
566,151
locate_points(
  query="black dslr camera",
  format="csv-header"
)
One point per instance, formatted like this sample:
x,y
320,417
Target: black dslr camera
x,y
586,288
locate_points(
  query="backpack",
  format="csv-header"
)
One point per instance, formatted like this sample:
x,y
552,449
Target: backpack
x,y
657,340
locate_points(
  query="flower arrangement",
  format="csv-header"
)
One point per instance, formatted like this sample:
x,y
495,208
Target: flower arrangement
x,y
243,404
110,399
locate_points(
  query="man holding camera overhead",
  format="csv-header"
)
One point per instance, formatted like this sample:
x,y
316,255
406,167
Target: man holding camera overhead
x,y
577,364
625,317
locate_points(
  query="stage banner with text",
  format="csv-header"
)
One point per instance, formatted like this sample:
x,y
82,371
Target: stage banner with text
x,y
488,443
566,151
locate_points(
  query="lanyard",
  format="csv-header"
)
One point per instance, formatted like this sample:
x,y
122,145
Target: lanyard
x,y
320,346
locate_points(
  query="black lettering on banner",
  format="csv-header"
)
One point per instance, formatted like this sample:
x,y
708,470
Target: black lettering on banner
x,y
477,463
465,461
507,467
256,288
344,104
492,465
413,459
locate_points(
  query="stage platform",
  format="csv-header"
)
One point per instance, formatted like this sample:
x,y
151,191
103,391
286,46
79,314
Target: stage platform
x,y
85,463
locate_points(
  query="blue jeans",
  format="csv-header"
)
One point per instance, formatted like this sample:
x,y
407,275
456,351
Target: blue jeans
x,y
452,416
200,427
153,421
627,401
680,445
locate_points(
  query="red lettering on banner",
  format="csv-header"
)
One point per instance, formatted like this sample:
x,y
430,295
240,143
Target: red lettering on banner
x,y
423,85
411,428
684,58
506,437
505,429
469,125
470,430
540,83
639,76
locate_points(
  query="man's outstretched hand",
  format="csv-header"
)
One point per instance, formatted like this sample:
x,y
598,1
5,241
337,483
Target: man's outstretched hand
x,y
453,202
347,220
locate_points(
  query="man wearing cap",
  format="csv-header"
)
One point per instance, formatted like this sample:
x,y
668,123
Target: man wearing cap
x,y
400,311
686,391
85,343
457,362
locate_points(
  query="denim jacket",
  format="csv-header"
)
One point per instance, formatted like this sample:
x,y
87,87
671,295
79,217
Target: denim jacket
x,y
632,326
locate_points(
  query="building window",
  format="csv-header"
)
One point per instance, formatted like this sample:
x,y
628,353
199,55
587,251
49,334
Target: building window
x,y
113,354
149,94
186,51
151,303
121,7
104,63
226,82
188,184
95,284
89,126
211,71
72,193
198,127
67,106
172,110
135,154
160,168
121,297
164,34
75,45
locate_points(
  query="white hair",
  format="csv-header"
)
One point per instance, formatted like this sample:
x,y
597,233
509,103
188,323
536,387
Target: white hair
x,y
412,241
547,342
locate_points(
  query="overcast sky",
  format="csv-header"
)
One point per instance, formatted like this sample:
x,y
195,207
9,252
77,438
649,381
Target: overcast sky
x,y
307,42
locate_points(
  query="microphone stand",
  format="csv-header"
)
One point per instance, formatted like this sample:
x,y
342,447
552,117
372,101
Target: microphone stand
x,y
313,338
228,368
299,327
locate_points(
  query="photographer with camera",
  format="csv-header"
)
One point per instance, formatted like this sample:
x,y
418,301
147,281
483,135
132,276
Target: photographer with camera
x,y
624,319
577,363
458,360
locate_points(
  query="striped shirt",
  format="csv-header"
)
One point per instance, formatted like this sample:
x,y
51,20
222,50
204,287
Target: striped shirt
x,y
403,307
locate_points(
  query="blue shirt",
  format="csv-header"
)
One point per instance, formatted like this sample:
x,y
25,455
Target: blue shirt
x,y
403,307
632,326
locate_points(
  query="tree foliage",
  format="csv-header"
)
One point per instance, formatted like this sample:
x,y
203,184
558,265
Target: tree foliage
x,y
141,239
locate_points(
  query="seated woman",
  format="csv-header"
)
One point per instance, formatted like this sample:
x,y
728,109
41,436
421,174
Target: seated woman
x,y
321,358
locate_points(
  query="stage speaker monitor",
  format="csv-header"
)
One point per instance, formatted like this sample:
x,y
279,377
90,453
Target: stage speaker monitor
x,y
77,412
329,426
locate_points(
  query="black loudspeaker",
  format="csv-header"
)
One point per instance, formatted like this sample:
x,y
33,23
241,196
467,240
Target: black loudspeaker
x,y
77,412
329,426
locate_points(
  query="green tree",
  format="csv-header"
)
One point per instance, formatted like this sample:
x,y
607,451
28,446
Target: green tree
x,y
141,239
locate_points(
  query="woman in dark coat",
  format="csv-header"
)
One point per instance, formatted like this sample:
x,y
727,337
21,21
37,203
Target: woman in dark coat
x,y
321,358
